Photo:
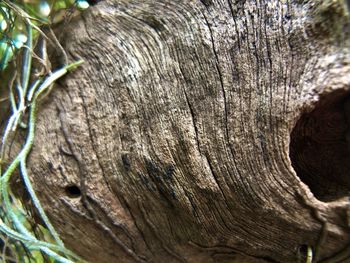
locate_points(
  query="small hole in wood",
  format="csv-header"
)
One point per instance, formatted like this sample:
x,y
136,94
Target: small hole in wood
x,y
320,147
73,191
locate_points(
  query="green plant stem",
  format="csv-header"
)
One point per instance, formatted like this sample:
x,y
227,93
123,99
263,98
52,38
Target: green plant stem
x,y
20,159
27,58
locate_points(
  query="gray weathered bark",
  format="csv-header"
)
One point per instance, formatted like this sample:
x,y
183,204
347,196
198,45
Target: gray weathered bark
x,y
175,142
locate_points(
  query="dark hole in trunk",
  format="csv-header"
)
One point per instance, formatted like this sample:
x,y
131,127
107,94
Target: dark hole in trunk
x,y
73,191
320,147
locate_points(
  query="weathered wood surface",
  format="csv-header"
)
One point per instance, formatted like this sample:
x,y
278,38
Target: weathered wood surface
x,y
177,129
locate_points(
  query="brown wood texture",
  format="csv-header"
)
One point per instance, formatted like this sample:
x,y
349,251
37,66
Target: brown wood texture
x,y
174,141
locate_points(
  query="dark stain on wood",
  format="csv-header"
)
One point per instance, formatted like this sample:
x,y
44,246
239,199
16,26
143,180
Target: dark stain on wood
x,y
207,3
169,172
154,23
162,180
126,162
50,166
151,167
146,182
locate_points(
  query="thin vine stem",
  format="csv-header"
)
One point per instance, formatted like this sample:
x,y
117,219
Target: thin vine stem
x,y
23,100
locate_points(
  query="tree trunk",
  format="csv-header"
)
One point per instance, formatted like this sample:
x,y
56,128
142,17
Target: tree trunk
x,y
201,131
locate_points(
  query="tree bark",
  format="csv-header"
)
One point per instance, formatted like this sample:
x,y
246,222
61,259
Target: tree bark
x,y
201,131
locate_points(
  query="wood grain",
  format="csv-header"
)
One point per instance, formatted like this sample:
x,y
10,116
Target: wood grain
x,y
177,129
